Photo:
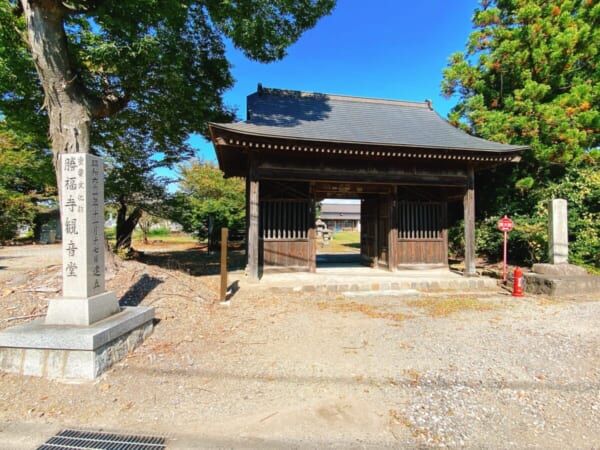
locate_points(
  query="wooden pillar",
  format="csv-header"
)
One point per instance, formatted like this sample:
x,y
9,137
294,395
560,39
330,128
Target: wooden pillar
x,y
224,237
247,219
469,216
253,227
444,225
377,231
312,238
393,233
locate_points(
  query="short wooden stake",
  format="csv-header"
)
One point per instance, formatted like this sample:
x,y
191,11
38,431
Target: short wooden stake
x,y
224,237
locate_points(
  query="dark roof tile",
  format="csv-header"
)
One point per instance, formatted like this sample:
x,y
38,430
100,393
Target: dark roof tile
x,y
322,117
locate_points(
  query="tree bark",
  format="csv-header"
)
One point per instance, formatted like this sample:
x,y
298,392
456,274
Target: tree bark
x,y
112,264
70,108
69,111
126,225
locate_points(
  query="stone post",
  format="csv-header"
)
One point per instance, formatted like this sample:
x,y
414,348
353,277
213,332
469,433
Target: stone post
x,y
84,300
558,232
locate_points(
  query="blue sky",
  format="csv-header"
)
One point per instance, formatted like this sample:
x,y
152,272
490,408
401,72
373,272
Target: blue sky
x,y
393,49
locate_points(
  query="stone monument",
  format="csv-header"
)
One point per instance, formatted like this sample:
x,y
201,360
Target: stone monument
x,y
558,232
84,299
559,277
85,331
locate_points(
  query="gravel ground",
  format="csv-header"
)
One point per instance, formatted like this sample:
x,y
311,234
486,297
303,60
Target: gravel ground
x,y
411,369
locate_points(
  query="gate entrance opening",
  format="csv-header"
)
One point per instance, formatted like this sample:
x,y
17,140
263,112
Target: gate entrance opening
x,y
400,226
338,233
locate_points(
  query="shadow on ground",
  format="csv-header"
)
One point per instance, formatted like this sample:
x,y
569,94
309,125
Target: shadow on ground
x,y
339,260
196,261
140,290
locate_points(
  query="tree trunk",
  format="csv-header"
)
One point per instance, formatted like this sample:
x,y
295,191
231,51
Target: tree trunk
x,y
69,111
70,107
126,225
112,264
145,225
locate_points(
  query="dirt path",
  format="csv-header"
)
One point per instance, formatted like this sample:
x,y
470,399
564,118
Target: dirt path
x,y
330,370
16,261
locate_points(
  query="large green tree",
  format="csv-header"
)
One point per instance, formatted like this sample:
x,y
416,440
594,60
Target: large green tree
x,y
133,187
79,61
206,198
133,161
530,75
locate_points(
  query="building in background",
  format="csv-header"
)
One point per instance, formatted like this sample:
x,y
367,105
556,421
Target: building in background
x,y
341,216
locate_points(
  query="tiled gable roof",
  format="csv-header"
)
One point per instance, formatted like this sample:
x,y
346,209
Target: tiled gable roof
x,y
333,118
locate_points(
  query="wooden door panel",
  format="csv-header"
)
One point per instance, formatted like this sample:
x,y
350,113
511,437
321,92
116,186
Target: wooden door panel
x,y
368,237
383,228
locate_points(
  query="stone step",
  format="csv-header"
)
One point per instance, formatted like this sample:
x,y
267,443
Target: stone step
x,y
427,285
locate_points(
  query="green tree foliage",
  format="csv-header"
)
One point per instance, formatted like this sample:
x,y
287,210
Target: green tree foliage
x,y
132,184
22,98
26,182
206,195
15,210
160,63
531,75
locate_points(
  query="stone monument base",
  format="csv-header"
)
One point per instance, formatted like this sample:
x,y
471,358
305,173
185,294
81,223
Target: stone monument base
x,y
73,352
81,311
560,279
561,270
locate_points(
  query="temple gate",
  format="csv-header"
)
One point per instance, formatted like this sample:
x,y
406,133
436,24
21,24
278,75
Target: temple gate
x,y
401,159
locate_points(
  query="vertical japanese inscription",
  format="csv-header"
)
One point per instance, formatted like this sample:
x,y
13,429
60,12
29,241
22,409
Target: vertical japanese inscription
x,y
70,211
83,225
97,225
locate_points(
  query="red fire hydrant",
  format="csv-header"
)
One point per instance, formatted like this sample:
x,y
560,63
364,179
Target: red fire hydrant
x,y
518,283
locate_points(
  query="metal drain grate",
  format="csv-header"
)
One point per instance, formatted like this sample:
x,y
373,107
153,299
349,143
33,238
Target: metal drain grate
x,y
90,440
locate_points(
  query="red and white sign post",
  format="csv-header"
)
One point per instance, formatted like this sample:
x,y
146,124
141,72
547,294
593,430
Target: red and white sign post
x,y
505,225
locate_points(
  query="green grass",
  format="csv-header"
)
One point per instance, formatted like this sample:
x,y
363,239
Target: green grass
x,y
173,238
160,234
343,241
347,236
110,233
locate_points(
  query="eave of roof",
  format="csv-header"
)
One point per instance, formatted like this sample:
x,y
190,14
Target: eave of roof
x,y
340,208
344,216
240,141
246,138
